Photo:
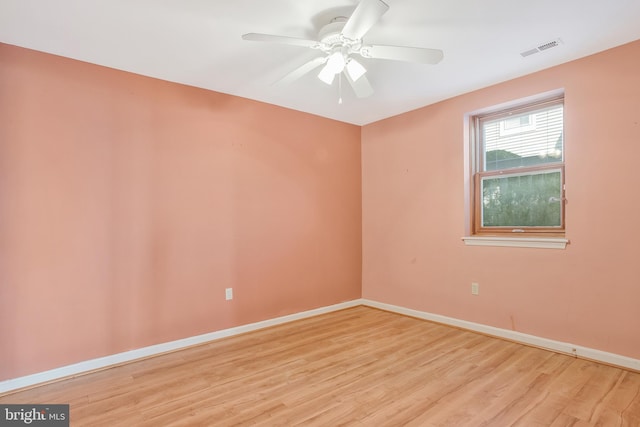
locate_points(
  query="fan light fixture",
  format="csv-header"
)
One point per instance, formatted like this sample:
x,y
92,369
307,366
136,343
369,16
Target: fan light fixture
x,y
337,64
355,69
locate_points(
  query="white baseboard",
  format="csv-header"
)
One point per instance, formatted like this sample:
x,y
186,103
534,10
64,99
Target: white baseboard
x,y
558,346
128,356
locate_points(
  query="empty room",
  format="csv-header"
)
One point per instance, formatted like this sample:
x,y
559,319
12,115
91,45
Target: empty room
x,y
348,212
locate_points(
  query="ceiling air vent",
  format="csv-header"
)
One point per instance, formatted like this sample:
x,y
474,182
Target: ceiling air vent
x,y
540,48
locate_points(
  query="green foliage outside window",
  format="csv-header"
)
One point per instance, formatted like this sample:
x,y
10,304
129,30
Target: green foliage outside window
x,y
526,200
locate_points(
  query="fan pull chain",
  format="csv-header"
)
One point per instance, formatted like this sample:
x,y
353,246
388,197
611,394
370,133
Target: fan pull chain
x,y
340,89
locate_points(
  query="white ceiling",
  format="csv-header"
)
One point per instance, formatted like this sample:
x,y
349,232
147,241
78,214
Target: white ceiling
x,y
198,43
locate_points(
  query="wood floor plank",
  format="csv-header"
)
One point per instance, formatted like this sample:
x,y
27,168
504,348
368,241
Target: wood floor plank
x,y
356,367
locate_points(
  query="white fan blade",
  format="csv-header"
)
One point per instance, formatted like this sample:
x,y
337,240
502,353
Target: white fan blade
x,y
367,13
403,53
361,87
302,70
256,37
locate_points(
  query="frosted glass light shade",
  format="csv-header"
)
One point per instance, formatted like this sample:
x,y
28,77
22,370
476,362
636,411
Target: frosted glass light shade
x,y
355,69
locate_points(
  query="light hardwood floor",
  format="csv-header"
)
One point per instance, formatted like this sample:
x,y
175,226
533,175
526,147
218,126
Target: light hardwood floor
x,y
355,367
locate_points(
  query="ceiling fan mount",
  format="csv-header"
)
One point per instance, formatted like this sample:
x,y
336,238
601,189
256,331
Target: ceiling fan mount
x,y
340,40
330,33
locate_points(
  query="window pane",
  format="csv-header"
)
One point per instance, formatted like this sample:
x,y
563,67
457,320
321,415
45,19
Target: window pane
x,y
521,140
524,200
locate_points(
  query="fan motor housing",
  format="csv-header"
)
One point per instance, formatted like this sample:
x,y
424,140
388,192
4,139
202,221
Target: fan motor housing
x,y
330,33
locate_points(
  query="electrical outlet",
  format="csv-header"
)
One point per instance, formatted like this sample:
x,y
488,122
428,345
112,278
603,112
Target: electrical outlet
x,y
475,288
228,294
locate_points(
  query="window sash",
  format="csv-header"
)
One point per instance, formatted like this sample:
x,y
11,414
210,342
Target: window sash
x,y
541,143
479,205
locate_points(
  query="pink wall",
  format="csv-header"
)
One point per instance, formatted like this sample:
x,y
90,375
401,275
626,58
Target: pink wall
x,y
414,214
128,205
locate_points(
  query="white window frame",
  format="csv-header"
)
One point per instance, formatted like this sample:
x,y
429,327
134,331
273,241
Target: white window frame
x,y
513,235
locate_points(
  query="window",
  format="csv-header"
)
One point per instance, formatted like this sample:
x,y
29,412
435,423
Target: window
x,y
519,171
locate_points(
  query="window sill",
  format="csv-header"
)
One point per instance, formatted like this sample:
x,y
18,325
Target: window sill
x,y
517,242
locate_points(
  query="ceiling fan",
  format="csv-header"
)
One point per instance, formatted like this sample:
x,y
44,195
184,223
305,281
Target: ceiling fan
x,y
341,40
